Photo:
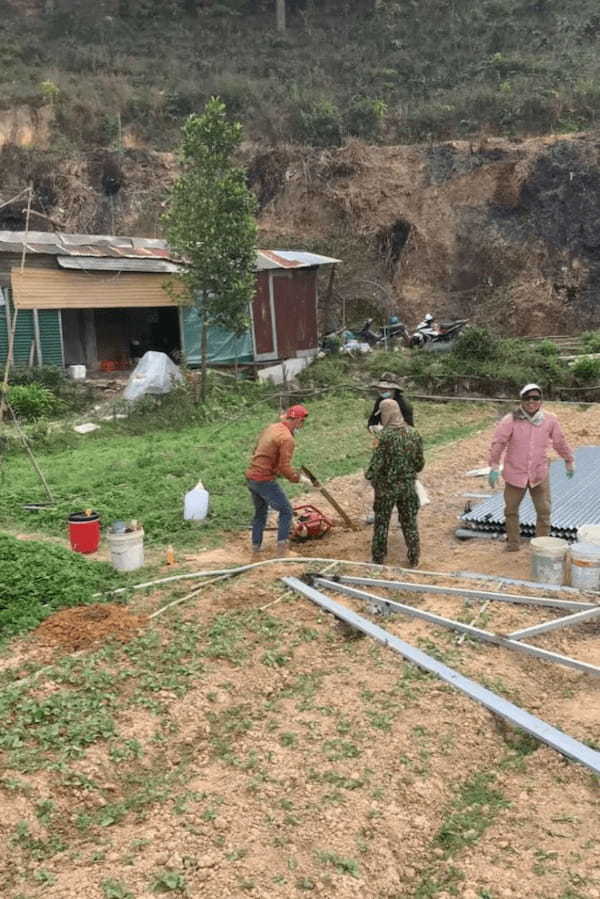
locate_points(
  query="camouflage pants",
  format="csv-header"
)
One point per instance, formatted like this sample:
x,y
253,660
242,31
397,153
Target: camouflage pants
x,y
407,502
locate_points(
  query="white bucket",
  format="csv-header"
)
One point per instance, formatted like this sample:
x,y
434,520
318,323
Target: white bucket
x,y
585,566
589,533
548,559
126,550
77,372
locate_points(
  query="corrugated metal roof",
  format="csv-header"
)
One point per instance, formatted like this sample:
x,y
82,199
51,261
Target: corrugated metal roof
x,y
102,264
102,245
574,502
287,259
112,247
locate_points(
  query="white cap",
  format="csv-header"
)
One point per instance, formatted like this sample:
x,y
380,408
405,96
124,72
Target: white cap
x,y
528,388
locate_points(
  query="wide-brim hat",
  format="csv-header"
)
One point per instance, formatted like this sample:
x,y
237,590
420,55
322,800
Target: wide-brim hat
x,y
388,381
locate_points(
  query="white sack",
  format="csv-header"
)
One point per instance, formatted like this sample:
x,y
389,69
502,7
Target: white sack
x,y
422,494
155,373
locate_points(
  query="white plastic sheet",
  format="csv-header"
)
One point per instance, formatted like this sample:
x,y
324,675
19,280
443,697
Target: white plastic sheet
x,y
155,373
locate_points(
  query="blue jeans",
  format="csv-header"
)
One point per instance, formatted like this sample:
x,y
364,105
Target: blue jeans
x,y
265,494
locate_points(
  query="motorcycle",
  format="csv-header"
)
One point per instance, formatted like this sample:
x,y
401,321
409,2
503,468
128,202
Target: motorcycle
x,y
385,337
438,338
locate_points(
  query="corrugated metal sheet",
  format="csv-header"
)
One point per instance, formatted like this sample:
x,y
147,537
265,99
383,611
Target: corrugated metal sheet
x,y
50,336
58,243
101,264
42,289
113,247
276,259
574,502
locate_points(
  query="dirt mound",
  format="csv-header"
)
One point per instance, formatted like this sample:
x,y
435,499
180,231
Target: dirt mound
x,y
85,625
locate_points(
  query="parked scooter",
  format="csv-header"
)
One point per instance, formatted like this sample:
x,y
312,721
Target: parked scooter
x,y
385,337
430,336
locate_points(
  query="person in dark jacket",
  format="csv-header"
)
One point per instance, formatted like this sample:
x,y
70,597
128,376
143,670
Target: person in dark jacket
x,y
396,461
389,388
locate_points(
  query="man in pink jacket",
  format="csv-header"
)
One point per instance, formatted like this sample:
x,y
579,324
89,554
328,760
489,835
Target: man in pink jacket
x,y
525,435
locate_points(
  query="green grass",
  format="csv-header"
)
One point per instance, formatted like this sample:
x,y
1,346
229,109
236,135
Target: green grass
x,y
37,579
145,477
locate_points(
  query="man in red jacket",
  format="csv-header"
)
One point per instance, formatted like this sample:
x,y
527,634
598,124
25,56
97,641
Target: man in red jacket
x,y
273,457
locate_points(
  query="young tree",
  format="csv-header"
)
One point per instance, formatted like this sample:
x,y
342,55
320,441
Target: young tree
x,y
210,222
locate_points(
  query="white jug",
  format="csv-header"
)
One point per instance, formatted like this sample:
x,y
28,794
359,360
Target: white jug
x,y
195,503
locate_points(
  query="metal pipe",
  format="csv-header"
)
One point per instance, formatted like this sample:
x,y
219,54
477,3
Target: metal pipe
x,y
567,621
468,629
539,729
474,576
468,594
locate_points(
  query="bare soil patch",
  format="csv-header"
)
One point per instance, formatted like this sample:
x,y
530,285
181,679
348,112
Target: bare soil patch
x,y
85,626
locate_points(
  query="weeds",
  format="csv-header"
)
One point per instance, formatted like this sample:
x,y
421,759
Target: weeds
x,y
343,865
112,889
168,882
475,807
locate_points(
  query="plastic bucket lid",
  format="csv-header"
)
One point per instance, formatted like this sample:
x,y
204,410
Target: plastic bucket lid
x,y
82,518
586,551
551,547
589,533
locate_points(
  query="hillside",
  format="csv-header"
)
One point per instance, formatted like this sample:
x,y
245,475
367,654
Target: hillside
x,y
419,155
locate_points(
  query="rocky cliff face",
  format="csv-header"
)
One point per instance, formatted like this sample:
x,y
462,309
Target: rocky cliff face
x,y
499,231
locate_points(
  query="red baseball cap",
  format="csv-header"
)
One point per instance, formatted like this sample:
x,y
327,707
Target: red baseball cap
x,y
296,412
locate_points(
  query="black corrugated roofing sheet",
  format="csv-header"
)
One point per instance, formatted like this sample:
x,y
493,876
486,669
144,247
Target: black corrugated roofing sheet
x,y
575,501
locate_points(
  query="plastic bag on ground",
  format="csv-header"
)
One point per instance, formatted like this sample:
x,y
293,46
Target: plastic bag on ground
x,y
155,373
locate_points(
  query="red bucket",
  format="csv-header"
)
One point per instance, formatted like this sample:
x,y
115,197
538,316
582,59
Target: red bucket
x,y
84,532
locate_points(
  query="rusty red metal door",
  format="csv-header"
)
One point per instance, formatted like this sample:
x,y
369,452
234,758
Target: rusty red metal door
x,y
295,302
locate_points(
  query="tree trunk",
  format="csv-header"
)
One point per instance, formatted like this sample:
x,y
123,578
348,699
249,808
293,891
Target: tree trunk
x,y
280,12
204,355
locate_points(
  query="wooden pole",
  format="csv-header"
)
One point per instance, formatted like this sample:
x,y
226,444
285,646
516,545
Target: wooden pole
x,y
280,14
9,359
204,352
28,214
333,502
30,454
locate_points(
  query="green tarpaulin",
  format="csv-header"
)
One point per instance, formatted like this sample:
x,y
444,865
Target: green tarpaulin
x,y
224,347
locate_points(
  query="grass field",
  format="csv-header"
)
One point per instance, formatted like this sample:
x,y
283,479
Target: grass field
x,y
145,477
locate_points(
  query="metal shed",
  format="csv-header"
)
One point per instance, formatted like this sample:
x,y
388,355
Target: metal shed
x,y
85,298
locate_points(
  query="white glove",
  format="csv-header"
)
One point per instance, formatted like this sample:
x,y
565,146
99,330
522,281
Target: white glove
x,y
376,429
304,479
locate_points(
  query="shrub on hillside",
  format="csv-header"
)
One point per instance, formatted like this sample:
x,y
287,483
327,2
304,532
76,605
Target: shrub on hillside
x,y
547,348
591,341
328,372
316,122
476,343
587,369
364,118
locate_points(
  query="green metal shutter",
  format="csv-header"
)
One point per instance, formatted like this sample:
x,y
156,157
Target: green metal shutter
x,y
50,336
24,337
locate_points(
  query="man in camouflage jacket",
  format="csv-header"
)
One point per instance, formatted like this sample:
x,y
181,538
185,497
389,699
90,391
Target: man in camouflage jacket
x,y
393,469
